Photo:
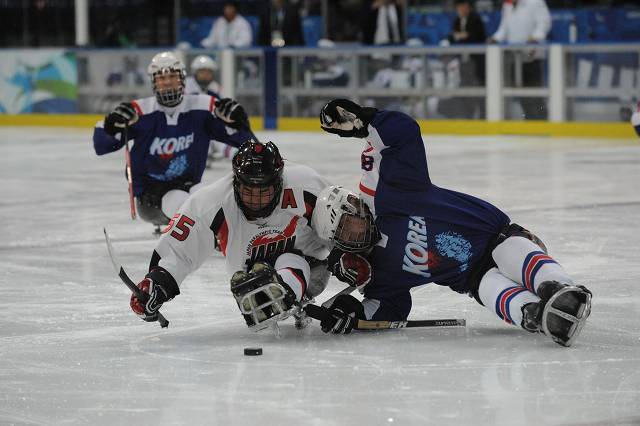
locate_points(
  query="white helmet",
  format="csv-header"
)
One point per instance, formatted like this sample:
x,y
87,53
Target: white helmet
x,y
203,62
342,218
164,63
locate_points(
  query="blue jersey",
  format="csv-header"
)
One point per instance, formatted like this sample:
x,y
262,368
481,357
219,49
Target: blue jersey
x,y
170,146
429,234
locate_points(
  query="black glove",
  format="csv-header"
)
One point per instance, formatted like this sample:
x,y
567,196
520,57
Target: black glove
x,y
351,268
148,310
343,315
346,119
123,115
232,113
160,287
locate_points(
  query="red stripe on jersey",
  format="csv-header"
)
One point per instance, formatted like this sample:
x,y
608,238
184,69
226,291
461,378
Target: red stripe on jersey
x,y
137,108
367,191
308,212
223,237
212,104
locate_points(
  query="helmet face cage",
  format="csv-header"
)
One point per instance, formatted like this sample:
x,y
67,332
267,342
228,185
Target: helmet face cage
x,y
172,96
344,220
355,228
257,175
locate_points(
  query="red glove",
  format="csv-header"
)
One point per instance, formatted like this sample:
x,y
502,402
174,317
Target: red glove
x,y
351,268
148,309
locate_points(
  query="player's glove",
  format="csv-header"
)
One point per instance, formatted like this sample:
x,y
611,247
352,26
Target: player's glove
x,y
160,287
346,119
343,315
123,115
232,113
350,268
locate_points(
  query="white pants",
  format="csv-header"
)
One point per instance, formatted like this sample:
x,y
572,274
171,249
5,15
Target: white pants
x,y
522,266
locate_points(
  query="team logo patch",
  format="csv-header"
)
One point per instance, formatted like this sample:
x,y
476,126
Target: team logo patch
x,y
176,168
272,242
454,246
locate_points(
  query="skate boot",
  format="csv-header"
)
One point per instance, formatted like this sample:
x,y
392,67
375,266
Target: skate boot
x,y
562,311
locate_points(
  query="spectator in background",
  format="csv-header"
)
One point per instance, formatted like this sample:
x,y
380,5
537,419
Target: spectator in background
x,y
468,28
382,22
527,21
229,30
281,25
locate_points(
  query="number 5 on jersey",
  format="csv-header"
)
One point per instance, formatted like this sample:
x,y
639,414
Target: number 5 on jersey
x,y
183,226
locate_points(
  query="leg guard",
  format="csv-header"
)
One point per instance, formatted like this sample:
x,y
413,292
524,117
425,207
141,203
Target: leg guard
x,y
565,312
487,262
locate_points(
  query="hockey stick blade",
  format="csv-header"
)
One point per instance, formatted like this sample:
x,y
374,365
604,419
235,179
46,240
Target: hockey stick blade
x,y
346,290
319,313
142,296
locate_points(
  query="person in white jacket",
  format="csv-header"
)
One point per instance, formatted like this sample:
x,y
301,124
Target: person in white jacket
x,y
527,21
229,30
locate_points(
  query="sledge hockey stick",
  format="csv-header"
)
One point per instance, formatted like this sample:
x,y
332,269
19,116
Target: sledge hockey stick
x,y
319,312
142,296
127,157
347,290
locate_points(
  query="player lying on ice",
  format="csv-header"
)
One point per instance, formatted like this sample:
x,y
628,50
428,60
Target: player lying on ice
x,y
171,131
260,216
403,231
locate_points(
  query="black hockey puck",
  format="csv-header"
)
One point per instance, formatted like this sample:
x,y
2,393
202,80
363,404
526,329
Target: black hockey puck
x,y
253,351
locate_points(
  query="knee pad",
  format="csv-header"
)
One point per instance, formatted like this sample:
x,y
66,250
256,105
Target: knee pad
x,y
318,280
172,200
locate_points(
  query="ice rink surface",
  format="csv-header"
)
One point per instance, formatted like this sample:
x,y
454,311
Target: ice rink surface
x,y
72,353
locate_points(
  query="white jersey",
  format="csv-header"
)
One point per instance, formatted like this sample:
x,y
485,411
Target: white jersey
x,y
212,212
191,86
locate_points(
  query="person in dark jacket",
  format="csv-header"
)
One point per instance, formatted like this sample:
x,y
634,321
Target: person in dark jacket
x,y
468,28
281,25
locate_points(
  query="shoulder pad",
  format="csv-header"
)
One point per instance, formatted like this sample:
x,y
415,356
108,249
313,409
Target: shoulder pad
x,y
199,102
145,105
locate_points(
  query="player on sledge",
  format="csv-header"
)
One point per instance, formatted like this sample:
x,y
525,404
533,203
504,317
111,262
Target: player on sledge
x,y
260,216
403,231
171,132
202,81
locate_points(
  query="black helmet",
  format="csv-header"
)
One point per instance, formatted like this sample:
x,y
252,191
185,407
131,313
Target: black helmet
x,y
257,165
